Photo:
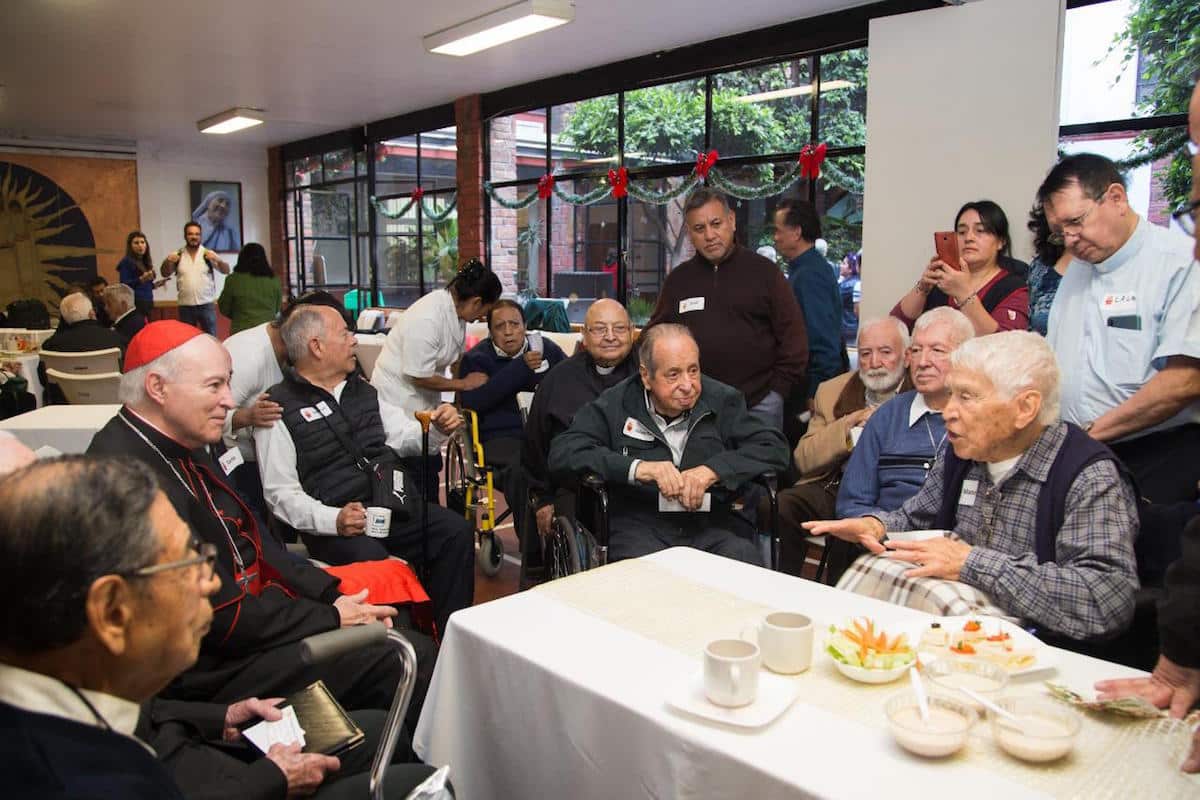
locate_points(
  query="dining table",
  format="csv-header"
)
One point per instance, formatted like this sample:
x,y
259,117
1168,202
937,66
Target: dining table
x,y
566,690
66,428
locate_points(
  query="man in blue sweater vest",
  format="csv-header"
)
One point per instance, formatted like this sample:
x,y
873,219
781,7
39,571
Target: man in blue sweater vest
x,y
901,439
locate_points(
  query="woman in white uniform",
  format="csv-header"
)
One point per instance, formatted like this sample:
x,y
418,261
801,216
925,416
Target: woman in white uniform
x,y
429,339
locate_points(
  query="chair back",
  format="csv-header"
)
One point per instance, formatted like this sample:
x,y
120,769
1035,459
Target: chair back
x,y
89,362
367,356
82,389
567,342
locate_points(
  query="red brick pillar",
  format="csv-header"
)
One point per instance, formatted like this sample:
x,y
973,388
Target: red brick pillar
x,y
277,246
469,172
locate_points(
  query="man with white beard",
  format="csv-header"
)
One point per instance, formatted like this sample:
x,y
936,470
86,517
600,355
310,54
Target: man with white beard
x,y
841,408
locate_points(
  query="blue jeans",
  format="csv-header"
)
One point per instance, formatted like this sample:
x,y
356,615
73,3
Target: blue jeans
x,y
203,317
770,410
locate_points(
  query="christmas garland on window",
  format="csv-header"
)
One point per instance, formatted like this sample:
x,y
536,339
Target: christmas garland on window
x,y
413,199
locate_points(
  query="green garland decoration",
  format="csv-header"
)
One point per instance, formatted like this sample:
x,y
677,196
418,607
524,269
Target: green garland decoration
x,y
770,188
594,196
836,176
378,206
662,198
440,216
514,205
434,216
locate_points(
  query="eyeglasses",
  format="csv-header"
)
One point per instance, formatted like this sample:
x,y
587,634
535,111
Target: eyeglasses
x,y
1073,227
206,555
604,330
1186,217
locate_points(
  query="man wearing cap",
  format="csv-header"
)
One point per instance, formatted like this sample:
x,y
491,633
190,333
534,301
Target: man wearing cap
x,y
175,396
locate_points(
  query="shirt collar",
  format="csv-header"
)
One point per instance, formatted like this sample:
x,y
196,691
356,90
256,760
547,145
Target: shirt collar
x,y
42,694
123,316
501,354
918,409
1036,461
1126,252
659,419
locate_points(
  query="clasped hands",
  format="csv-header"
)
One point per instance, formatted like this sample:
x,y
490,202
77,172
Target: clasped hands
x,y
687,487
941,557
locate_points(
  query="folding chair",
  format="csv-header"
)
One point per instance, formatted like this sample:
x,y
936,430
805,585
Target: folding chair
x,y
87,388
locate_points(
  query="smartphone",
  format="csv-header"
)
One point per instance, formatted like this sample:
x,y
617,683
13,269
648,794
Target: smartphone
x,y
946,245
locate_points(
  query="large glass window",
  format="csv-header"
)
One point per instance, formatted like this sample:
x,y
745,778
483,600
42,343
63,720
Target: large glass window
x,y
581,244
323,212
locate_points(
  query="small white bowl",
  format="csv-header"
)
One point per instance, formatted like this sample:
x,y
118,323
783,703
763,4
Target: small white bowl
x,y
1046,731
864,675
951,720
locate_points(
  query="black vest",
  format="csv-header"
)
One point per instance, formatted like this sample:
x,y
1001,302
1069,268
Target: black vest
x,y
328,470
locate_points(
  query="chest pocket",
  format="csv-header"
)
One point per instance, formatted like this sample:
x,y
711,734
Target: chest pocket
x,y
1127,354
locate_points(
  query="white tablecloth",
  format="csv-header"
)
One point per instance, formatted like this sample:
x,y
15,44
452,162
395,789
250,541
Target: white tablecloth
x,y
536,697
68,429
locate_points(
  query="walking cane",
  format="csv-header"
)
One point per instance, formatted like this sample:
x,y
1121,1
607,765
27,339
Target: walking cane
x,y
425,417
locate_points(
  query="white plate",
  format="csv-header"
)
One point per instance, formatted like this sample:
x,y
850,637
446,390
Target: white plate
x,y
775,695
1045,657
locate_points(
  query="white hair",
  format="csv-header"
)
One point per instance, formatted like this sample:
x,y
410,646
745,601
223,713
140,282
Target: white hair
x,y
960,327
901,329
302,326
75,308
1014,361
121,293
132,390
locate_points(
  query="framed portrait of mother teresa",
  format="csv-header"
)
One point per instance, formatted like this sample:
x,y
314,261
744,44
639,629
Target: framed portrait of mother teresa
x,y
217,207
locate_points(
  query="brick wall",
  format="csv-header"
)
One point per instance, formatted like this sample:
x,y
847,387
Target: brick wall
x,y
469,174
277,246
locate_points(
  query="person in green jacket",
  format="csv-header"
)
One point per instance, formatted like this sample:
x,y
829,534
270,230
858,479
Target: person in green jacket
x,y
251,295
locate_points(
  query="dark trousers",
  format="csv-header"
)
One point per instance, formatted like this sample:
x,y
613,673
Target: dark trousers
x,y
806,502
203,317
443,555
144,307
1164,464
504,456
639,535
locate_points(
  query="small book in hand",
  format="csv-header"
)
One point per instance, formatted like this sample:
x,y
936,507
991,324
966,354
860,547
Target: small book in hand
x,y
326,727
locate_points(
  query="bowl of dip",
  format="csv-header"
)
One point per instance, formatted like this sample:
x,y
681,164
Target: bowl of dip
x,y
983,677
1045,730
944,733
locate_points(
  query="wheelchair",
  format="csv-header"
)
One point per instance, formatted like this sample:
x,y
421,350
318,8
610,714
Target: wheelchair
x,y
470,490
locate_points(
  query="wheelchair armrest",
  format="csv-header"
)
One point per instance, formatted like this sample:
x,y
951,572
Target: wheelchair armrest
x,y
592,482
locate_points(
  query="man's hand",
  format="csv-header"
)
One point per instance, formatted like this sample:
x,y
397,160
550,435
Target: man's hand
x,y
533,359
865,531
545,515
695,483
352,520
355,610
935,558
663,474
446,418
173,257
246,710
304,771
859,418
1169,686
262,413
473,381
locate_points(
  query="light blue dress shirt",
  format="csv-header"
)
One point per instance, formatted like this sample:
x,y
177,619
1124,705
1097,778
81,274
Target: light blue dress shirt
x,y
1114,324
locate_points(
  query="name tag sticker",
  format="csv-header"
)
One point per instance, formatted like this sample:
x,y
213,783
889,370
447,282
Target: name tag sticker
x,y
636,430
231,460
667,505
324,408
1118,304
310,414
691,304
969,491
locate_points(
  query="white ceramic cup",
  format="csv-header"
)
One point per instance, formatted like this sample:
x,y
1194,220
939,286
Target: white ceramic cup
x,y
379,522
731,672
786,641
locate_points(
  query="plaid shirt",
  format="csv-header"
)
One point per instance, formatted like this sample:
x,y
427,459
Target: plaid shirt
x,y
884,579
1087,591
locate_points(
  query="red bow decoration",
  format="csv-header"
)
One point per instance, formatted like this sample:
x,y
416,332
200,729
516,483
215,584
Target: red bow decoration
x,y
619,180
810,160
417,194
545,186
705,162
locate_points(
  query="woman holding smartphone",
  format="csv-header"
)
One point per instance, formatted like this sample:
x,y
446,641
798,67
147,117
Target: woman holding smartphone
x,y
984,284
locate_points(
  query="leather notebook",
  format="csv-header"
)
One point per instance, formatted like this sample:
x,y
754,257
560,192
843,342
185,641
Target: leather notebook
x,y
327,727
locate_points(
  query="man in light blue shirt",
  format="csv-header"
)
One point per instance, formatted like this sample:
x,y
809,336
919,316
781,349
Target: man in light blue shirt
x,y
1121,327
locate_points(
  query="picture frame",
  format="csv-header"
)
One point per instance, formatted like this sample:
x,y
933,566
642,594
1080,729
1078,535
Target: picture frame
x,y
217,207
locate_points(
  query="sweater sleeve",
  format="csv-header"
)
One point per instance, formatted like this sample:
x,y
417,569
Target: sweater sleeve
x,y
858,496
752,446
791,337
502,384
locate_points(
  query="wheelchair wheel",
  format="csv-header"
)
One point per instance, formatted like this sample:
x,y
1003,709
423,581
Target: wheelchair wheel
x,y
491,553
455,478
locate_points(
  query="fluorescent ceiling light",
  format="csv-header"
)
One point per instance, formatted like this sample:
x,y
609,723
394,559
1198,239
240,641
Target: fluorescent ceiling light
x,y
235,119
497,27
795,91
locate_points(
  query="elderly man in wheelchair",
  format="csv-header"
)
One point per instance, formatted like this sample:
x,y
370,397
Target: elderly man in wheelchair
x,y
674,447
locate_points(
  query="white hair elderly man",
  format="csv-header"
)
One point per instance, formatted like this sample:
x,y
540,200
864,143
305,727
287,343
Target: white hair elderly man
x,y
1043,519
841,407
119,303
80,332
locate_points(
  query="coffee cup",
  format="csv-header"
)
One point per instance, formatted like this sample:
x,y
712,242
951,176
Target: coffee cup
x,y
379,522
731,672
786,641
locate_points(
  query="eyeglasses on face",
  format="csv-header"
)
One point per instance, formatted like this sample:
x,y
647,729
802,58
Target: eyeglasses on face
x,y
1073,227
206,554
605,330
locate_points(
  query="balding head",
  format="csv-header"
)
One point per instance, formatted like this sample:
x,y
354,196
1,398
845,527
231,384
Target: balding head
x,y
607,332
76,308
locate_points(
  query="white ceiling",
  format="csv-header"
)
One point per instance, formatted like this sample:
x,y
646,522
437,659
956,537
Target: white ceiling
x,y
147,70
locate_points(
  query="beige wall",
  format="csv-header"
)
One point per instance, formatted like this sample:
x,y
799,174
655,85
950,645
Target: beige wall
x,y
962,105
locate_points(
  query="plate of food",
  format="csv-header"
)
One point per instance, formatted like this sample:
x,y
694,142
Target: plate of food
x,y
867,653
999,641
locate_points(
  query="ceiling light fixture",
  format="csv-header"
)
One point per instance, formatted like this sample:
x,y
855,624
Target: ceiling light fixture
x,y
795,91
235,119
498,27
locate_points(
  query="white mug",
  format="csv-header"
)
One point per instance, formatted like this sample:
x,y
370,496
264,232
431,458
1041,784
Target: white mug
x,y
379,522
731,672
786,641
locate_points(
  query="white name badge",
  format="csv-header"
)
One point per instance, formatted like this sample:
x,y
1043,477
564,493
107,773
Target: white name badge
x,y
231,460
665,504
1118,304
324,408
636,430
970,489
691,304
310,414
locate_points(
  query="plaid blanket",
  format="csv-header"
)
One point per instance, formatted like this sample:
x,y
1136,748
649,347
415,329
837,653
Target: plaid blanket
x,y
883,578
